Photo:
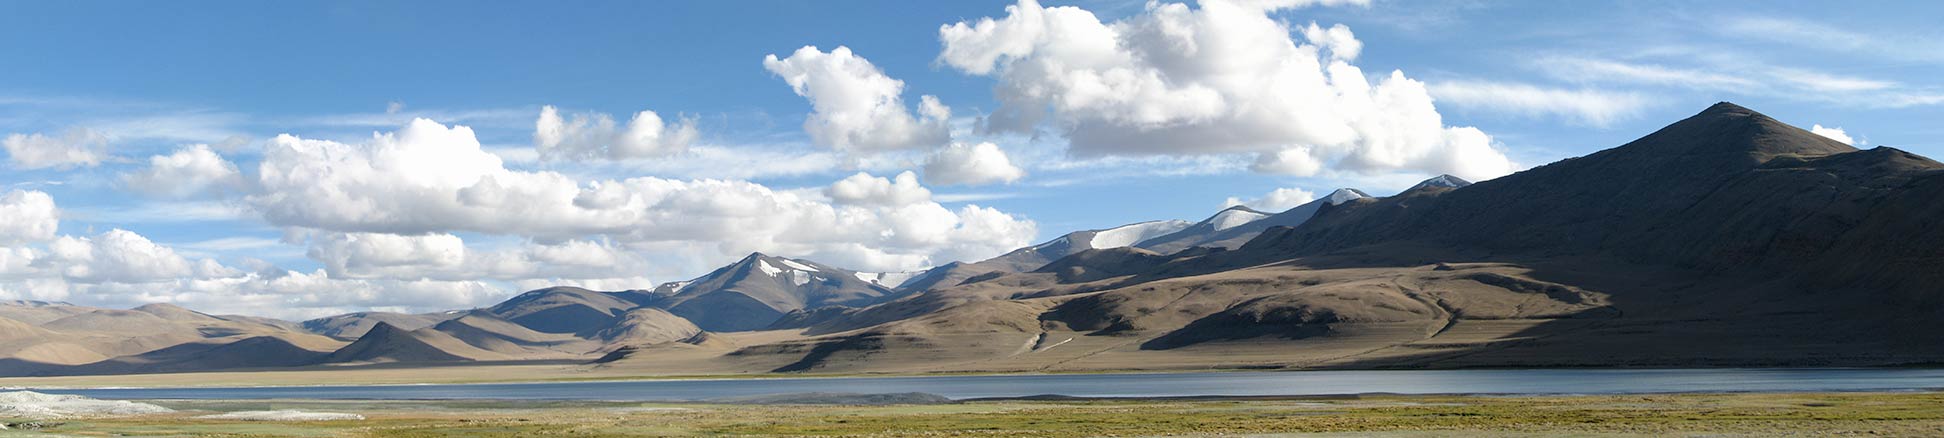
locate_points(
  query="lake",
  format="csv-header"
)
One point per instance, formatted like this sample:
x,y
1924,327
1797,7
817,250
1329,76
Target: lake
x,y
1518,381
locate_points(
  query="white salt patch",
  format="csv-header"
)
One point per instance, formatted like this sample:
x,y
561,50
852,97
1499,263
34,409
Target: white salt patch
x,y
283,415
640,409
31,404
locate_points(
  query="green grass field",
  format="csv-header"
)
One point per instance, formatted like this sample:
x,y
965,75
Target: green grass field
x,y
1863,414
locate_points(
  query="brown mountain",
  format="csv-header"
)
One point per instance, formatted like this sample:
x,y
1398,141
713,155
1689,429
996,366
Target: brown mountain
x,y
1726,239
760,289
354,325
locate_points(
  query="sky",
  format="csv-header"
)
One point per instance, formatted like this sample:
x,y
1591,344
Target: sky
x,y
301,159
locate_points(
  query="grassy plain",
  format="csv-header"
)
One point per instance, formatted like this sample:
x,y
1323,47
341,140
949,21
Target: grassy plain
x,y
1714,415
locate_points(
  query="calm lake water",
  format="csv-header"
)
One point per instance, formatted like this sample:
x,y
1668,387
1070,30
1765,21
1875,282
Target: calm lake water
x,y
1565,381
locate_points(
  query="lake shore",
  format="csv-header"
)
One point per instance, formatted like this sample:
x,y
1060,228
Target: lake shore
x,y
1880,414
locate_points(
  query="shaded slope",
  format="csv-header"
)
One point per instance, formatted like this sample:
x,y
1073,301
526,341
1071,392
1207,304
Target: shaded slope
x,y
385,343
1726,190
562,310
354,325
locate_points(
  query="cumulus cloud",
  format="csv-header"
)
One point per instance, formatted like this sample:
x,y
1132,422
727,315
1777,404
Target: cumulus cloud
x,y
442,256
27,216
864,189
1294,160
429,178
1223,78
963,164
1277,200
79,147
1591,107
119,256
1834,133
188,171
361,254
1737,75
855,106
595,135
121,268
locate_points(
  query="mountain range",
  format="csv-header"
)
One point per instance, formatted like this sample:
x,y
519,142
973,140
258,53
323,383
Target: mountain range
x,y
1725,239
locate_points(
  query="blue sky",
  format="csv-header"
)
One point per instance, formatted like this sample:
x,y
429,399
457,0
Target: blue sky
x,y
125,82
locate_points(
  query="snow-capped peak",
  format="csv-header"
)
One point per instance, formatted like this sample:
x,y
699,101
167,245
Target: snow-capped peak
x,y
1341,196
1234,217
1442,181
1129,234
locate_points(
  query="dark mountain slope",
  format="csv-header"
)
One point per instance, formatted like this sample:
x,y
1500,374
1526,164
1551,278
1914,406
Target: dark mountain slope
x,y
1622,200
562,310
384,343
1728,190
354,325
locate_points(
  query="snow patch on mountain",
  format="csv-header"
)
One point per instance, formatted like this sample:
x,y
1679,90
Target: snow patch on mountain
x,y
1126,235
1341,196
766,268
888,279
1234,217
794,264
1441,181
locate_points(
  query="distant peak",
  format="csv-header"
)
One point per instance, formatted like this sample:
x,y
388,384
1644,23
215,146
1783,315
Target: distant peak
x,y
1346,195
1241,208
1446,180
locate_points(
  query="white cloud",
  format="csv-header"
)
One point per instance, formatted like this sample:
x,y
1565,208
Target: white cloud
x,y
595,135
355,255
1295,160
963,164
1825,82
1587,106
864,189
119,256
188,171
1222,78
447,257
855,106
1738,75
1276,201
730,162
1834,133
121,268
78,147
1601,70
1831,38
27,216
428,179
